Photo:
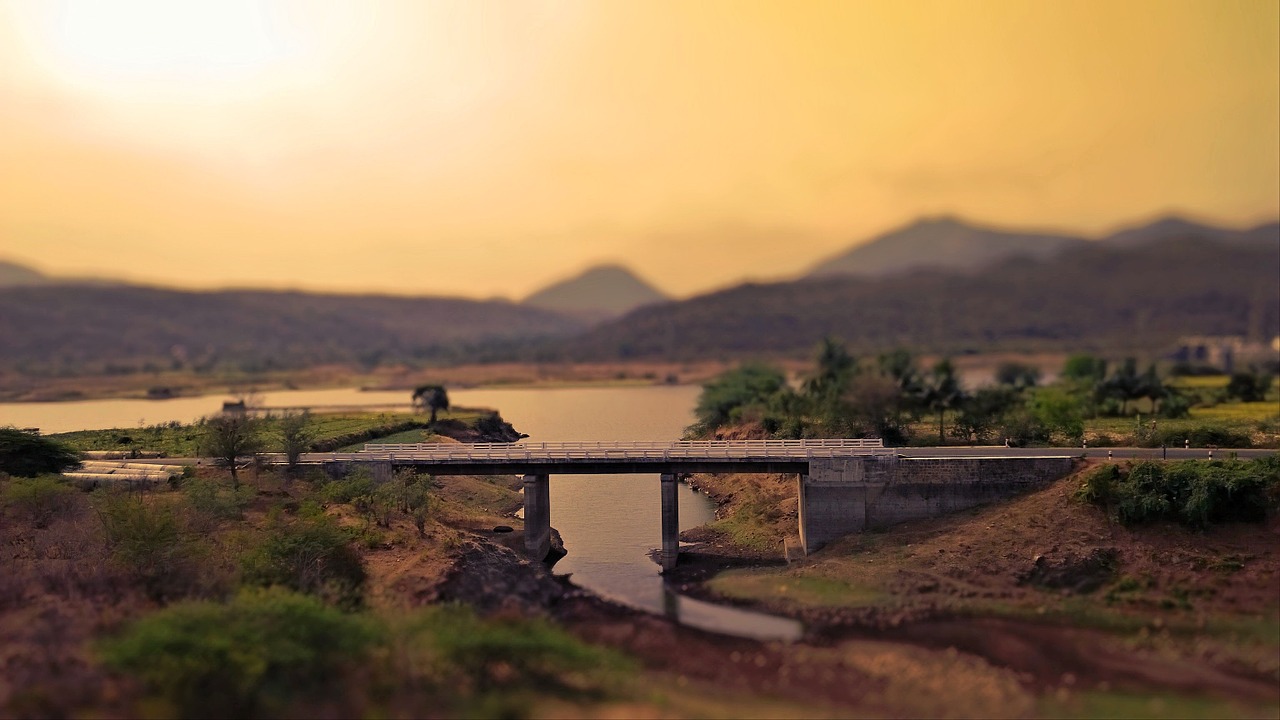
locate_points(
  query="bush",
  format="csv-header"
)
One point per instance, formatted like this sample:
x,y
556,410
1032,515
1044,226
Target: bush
x,y
1194,493
311,555
27,454
1199,436
253,656
475,657
154,544
357,484
38,501
210,498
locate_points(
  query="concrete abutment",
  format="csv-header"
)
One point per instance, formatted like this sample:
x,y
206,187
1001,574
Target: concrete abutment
x,y
840,496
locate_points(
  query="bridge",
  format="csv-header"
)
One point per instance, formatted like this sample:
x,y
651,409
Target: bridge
x,y
844,485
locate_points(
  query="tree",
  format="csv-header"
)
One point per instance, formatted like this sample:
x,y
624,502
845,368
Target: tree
x,y
942,392
431,397
1248,386
1123,385
1085,369
872,401
1056,409
27,454
296,434
750,385
834,367
1017,375
901,367
981,412
230,436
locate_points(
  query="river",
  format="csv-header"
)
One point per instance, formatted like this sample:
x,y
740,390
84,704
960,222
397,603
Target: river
x,y
609,523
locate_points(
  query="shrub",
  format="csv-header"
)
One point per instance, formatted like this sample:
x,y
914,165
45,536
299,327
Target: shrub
x,y
210,498
253,656
155,544
1194,493
357,484
1198,436
27,454
472,656
38,501
310,555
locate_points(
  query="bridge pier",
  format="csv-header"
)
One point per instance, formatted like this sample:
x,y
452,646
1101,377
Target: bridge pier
x,y
670,522
537,516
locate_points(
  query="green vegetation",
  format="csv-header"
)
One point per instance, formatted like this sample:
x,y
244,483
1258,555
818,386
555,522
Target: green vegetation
x,y
327,432
27,454
311,555
1194,493
156,545
38,501
892,398
256,655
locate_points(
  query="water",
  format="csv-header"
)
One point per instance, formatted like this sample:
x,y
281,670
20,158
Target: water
x,y
609,523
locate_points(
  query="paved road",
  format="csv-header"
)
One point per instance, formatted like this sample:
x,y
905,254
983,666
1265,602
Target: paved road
x,y
1120,453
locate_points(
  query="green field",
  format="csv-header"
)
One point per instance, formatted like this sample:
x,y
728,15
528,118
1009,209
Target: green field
x,y
332,432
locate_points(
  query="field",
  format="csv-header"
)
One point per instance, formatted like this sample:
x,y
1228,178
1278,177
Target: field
x,y
347,431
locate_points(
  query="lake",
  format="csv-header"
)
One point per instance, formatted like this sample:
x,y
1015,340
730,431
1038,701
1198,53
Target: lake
x,y
609,523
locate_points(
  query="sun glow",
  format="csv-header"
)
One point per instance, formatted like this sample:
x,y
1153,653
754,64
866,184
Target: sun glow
x,y
122,42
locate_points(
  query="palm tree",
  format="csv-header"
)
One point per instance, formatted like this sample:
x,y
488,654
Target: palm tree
x,y
834,368
432,397
942,392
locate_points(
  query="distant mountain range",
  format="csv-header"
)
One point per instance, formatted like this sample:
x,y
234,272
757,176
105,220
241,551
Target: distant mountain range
x,y
938,285
1092,296
948,243
600,293
13,275
88,329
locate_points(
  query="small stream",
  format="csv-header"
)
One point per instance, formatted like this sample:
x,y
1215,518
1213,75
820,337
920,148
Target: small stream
x,y
609,523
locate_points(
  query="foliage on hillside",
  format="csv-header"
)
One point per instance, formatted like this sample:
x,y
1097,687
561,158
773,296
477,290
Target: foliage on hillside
x,y
1196,494
891,397
1092,297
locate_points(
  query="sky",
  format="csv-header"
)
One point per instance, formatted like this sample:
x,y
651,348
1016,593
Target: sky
x,y
487,148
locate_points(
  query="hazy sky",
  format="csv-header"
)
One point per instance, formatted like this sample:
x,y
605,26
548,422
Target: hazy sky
x,y
487,148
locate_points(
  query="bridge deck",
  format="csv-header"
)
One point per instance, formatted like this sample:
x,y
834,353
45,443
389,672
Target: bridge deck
x,y
609,457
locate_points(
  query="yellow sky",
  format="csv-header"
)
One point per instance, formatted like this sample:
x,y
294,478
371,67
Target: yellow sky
x,y
487,148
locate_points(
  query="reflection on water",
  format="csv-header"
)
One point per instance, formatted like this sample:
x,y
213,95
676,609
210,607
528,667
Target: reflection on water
x,y
609,522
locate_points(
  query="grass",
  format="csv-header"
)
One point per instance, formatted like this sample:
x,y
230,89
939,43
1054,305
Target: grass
x,y
1116,704
795,589
346,430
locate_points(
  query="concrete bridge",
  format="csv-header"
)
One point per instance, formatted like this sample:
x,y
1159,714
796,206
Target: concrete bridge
x,y
844,485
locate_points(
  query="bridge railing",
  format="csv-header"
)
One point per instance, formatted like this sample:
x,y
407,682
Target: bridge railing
x,y
623,451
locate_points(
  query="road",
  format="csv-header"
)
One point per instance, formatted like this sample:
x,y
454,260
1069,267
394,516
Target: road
x,y
1119,453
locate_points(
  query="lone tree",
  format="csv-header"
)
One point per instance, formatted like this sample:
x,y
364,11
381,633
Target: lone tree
x,y
296,433
228,437
26,454
431,397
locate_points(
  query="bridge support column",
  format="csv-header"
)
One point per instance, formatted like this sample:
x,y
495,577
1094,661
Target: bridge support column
x,y
537,516
670,522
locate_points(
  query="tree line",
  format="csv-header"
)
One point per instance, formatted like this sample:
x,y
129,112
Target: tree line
x,y
891,396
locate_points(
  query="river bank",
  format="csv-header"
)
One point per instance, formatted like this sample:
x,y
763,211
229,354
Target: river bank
x,y
1084,615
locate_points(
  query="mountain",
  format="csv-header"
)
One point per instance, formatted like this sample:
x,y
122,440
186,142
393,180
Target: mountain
x,y
1178,227
85,329
943,242
948,243
1094,296
600,293
13,274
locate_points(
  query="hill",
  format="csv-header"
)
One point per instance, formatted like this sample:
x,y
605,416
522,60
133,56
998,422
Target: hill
x,y
599,293
948,243
1093,296
943,242
1176,227
78,329
13,274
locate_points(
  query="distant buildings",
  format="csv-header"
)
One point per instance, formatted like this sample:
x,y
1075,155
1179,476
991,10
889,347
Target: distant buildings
x,y
1224,352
